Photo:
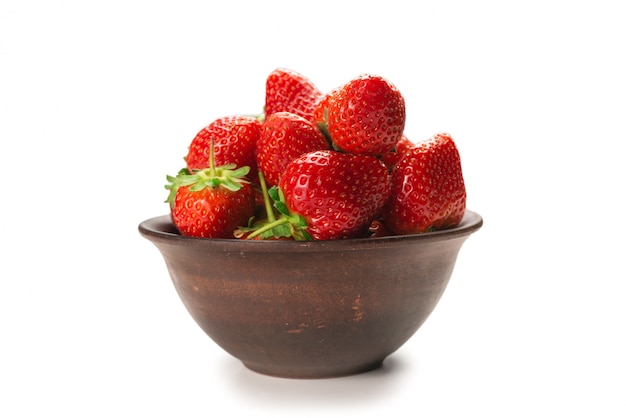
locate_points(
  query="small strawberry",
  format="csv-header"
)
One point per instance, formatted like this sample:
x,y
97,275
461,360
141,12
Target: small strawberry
x,y
366,116
392,157
378,229
339,195
320,113
285,136
289,91
427,188
212,202
234,140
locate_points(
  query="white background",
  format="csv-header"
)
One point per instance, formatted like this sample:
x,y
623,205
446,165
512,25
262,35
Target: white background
x,y
99,100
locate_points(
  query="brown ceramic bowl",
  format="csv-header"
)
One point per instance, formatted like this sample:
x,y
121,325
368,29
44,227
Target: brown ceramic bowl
x,y
310,309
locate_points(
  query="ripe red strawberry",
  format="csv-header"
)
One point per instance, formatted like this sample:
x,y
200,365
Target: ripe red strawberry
x,y
427,188
366,116
289,91
320,113
285,136
339,195
392,157
378,229
210,203
235,140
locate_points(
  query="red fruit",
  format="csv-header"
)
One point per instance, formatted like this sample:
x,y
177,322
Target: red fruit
x,y
366,116
235,140
212,213
378,229
320,113
289,91
427,188
285,136
339,195
210,203
392,157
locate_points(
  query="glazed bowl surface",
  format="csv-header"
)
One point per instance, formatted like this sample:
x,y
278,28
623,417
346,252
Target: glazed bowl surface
x,y
312,309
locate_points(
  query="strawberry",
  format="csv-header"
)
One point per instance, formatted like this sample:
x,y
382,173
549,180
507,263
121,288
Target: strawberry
x,y
212,202
366,116
285,136
289,91
234,140
320,113
392,157
427,188
378,229
339,195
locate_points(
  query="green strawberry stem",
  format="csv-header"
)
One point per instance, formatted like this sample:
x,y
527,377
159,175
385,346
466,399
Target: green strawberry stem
x,y
212,170
266,199
287,225
268,227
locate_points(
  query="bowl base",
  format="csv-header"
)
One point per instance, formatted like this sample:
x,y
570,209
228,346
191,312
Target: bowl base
x,y
311,373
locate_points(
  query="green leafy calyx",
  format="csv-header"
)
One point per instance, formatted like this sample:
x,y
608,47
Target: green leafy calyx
x,y
227,176
280,222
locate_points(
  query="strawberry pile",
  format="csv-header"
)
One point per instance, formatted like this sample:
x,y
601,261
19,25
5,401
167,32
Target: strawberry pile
x,y
317,166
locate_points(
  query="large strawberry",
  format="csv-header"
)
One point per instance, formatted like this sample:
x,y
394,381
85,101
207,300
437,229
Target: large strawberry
x,y
289,91
285,136
339,195
366,116
427,188
210,203
235,140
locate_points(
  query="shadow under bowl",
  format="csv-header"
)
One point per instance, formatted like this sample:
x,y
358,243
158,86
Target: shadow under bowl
x,y
312,309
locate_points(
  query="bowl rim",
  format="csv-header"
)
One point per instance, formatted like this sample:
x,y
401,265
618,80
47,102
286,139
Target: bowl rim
x,y
161,229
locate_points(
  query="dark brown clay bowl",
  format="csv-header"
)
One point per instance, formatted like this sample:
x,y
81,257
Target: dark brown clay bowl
x,y
310,309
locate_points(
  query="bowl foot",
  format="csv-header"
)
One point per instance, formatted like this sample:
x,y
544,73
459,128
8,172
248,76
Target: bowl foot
x,y
312,372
